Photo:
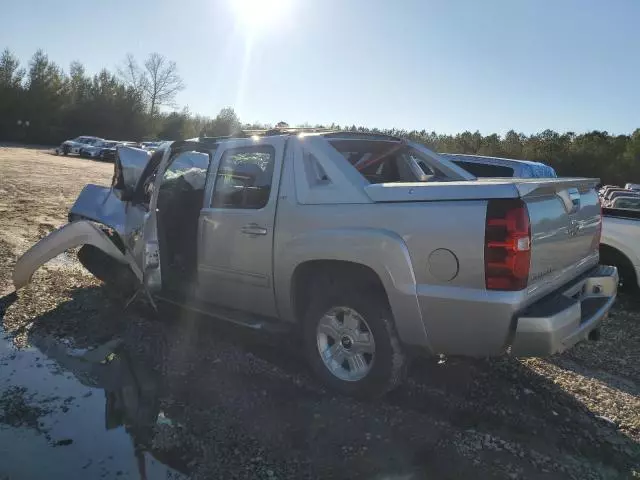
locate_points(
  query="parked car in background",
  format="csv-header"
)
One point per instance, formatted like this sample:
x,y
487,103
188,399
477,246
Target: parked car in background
x,y
74,146
151,146
628,202
482,166
95,150
373,248
632,186
109,153
614,195
605,188
620,243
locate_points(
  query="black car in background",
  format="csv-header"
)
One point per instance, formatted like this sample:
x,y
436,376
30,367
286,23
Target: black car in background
x,y
108,153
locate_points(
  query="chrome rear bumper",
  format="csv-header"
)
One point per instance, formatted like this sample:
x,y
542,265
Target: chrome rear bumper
x,y
559,321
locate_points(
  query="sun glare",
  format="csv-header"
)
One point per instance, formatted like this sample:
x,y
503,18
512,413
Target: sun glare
x,y
260,14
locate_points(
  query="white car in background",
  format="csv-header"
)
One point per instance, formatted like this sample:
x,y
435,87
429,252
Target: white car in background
x,y
74,146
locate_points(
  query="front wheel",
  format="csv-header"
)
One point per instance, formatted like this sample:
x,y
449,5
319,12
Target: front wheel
x,y
119,280
351,343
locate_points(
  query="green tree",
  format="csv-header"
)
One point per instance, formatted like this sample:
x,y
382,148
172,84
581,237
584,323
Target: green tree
x,y
225,123
45,96
11,97
11,74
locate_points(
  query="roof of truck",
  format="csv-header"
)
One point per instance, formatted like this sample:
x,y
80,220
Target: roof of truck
x,y
325,132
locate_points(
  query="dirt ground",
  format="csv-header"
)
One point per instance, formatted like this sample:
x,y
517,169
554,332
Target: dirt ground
x,y
91,390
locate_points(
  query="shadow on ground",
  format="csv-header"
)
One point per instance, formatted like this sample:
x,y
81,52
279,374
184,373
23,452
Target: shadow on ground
x,y
215,400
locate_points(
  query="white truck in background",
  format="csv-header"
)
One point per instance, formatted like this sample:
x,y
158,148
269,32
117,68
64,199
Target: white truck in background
x,y
620,244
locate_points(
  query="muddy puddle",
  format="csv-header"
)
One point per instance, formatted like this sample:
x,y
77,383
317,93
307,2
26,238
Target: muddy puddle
x,y
79,413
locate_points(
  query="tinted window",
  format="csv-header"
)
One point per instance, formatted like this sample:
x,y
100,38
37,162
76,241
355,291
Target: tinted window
x,y
244,178
483,170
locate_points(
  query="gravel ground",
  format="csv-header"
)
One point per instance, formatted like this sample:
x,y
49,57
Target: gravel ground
x,y
183,396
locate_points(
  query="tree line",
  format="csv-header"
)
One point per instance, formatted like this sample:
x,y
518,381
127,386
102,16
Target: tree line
x,y
44,104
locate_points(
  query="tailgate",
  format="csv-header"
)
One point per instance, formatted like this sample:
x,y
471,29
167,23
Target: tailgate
x,y
565,224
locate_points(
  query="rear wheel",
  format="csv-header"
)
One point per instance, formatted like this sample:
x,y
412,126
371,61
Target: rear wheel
x,y
350,342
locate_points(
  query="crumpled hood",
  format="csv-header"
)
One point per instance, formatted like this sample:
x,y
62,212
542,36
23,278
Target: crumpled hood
x,y
99,204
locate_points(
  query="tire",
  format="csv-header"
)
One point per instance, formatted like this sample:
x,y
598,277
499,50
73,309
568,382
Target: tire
x,y
65,149
626,272
118,279
386,367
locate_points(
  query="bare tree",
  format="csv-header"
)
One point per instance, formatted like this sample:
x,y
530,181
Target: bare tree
x,y
163,82
158,82
131,74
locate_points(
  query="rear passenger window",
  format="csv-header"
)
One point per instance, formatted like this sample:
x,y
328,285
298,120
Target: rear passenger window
x,y
244,178
483,170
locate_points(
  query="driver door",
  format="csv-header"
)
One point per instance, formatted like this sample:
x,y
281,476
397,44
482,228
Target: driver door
x,y
172,219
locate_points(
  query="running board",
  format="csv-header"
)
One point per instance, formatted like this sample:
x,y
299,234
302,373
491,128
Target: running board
x,y
254,322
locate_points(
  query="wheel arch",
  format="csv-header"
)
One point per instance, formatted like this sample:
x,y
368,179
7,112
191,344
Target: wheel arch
x,y
627,271
72,235
378,256
316,273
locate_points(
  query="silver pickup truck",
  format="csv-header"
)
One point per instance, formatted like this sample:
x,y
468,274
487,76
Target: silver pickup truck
x,y
372,248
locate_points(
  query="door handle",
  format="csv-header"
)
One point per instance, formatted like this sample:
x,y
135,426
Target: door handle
x,y
253,229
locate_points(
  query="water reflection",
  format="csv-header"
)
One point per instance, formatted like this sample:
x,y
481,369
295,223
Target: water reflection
x,y
133,403
108,435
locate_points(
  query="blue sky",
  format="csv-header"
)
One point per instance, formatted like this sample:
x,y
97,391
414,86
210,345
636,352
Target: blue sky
x,y
443,65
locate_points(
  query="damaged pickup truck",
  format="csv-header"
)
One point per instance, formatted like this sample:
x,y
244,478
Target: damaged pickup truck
x,y
374,249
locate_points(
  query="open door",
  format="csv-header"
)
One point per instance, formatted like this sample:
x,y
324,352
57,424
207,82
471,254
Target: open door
x,y
170,229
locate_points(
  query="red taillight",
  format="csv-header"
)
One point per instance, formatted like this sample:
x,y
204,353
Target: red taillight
x,y
507,245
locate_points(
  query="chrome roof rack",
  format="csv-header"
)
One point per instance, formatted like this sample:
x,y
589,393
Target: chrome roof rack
x,y
328,132
288,131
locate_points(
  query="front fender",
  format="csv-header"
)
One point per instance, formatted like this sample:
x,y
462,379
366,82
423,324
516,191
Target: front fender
x,y
71,235
383,251
101,205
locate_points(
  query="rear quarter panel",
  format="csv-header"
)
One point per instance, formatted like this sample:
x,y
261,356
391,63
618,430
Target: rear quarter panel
x,y
402,260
